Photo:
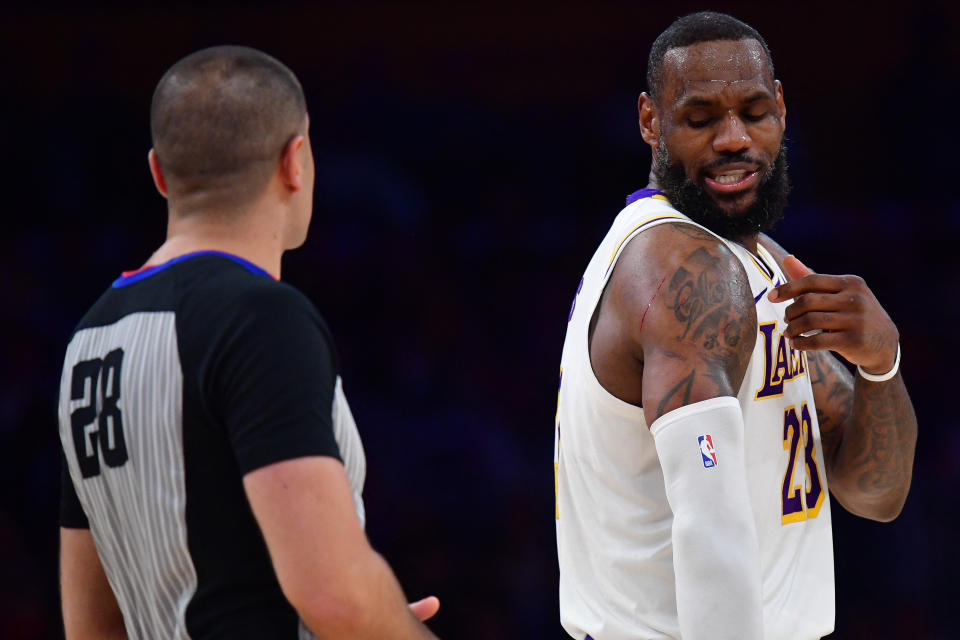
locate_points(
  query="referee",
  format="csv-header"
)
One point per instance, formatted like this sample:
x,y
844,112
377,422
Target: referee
x,y
212,468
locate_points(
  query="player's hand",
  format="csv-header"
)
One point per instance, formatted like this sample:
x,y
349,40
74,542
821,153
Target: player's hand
x,y
426,608
851,320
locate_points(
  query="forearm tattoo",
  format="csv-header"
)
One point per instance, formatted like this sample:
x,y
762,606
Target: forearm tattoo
x,y
833,391
886,430
868,430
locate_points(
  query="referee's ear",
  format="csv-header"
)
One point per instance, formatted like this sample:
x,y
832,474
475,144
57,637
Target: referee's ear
x,y
157,172
291,164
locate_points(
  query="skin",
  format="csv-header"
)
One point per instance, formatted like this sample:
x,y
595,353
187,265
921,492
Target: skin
x,y
275,221
326,568
90,609
719,99
676,323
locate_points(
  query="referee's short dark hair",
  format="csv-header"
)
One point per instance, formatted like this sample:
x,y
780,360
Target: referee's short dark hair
x,y
220,119
702,26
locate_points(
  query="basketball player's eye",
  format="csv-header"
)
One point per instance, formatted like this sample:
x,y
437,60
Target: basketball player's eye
x,y
755,117
698,124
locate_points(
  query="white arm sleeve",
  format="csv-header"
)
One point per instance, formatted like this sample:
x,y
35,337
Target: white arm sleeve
x,y
716,557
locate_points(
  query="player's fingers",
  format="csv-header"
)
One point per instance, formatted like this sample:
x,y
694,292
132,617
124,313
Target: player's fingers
x,y
814,302
818,320
794,268
820,341
817,282
426,608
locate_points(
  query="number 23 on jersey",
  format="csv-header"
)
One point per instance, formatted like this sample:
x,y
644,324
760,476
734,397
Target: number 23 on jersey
x,y
800,500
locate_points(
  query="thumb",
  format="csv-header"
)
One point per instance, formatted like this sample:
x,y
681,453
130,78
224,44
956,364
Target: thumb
x,y
794,268
426,608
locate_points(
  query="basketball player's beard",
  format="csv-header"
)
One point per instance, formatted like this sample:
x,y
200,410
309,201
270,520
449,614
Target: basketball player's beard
x,y
689,198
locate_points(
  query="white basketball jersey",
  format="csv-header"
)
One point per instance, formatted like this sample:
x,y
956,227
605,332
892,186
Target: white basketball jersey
x,y
613,519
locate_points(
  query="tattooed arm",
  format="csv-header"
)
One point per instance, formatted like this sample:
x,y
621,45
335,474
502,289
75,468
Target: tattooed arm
x,y
868,429
675,330
676,323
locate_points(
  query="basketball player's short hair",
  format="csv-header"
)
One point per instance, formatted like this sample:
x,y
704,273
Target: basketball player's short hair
x,y
220,119
703,26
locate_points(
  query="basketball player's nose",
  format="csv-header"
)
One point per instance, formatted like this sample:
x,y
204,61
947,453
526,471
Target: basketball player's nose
x,y
731,135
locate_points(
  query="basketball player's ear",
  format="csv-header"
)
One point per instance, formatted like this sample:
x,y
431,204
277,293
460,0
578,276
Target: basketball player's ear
x,y
781,106
291,164
649,120
157,172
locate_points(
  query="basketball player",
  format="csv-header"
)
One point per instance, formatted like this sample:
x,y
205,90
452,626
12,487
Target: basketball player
x,y
213,470
702,417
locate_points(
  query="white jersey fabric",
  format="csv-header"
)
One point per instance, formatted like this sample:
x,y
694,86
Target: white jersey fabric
x,y
613,519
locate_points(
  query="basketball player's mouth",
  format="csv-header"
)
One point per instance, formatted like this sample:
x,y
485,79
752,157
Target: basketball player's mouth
x,y
732,179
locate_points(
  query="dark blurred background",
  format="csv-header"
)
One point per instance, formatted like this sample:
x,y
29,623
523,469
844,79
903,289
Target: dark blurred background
x,y
469,160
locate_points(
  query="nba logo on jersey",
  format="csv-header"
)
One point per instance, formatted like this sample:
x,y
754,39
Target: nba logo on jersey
x,y
707,451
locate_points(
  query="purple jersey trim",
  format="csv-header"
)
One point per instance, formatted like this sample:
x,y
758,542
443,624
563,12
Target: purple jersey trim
x,y
123,281
643,193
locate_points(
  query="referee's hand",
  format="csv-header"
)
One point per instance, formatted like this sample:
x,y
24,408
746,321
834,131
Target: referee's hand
x,y
426,608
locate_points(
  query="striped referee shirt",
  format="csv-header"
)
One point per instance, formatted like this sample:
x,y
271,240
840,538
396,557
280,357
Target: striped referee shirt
x,y
182,378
